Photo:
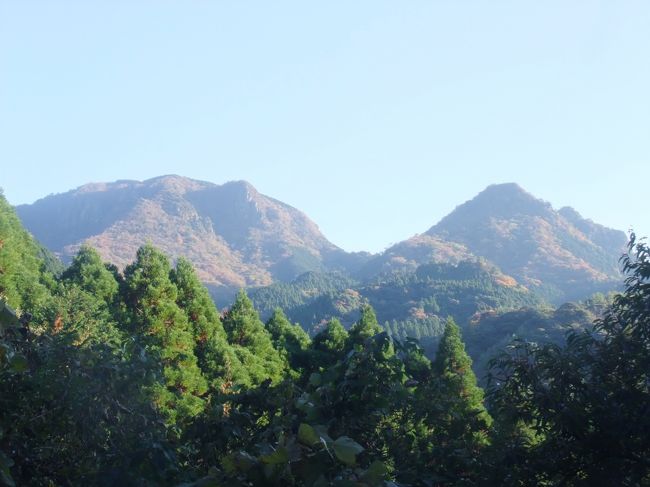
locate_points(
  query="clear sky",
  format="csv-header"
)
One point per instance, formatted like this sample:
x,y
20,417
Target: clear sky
x,y
376,118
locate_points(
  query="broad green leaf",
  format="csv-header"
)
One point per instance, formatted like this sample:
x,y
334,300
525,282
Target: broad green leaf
x,y
279,456
307,435
18,363
346,450
240,461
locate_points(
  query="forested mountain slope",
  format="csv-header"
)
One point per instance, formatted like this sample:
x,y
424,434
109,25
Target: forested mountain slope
x,y
135,378
235,236
558,254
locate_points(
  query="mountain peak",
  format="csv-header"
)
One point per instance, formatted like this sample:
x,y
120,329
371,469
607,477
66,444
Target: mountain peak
x,y
531,241
241,187
176,184
503,201
240,183
510,194
234,235
513,188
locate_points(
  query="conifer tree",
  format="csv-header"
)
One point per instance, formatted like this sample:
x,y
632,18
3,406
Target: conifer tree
x,y
455,367
216,358
361,391
291,340
366,327
252,342
85,300
454,408
24,282
328,345
156,317
89,272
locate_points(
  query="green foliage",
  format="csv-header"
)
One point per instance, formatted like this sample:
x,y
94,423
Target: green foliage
x,y
163,326
136,380
408,304
291,340
89,272
341,425
329,344
444,427
70,403
252,342
492,332
216,358
86,302
299,293
76,413
302,455
51,264
585,402
466,421
24,281
459,291
364,328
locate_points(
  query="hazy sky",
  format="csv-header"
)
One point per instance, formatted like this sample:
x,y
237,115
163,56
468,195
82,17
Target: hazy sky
x,y
375,118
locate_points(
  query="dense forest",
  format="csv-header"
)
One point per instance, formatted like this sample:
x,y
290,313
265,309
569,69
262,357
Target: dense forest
x,y
133,377
491,308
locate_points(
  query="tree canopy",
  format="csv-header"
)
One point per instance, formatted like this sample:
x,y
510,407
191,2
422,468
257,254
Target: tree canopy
x,y
134,378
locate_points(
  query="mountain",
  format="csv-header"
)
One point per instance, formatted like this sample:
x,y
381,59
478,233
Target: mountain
x,y
409,254
235,236
434,290
559,254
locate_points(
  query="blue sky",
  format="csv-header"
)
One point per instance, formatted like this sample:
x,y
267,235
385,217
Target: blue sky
x,y
375,118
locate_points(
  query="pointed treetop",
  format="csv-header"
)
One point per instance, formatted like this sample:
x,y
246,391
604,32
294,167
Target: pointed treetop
x,y
252,342
91,274
366,327
454,370
289,339
332,338
157,316
286,334
451,354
